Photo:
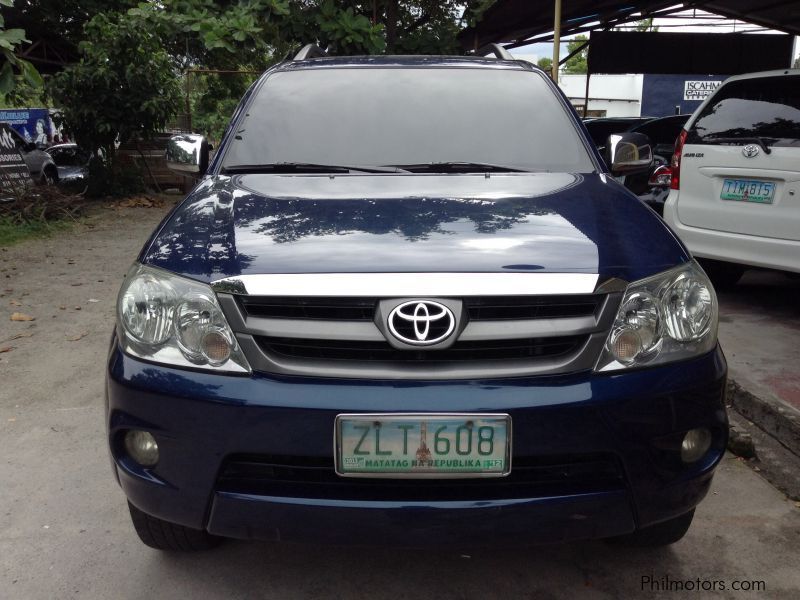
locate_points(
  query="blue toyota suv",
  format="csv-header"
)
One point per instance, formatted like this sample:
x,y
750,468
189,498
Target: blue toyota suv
x,y
408,304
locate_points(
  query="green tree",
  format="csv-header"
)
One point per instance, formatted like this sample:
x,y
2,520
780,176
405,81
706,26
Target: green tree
x,y
577,64
545,64
255,28
230,35
14,70
213,98
645,25
123,86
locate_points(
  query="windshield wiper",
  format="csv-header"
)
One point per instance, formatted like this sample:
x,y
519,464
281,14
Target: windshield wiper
x,y
459,167
301,167
739,141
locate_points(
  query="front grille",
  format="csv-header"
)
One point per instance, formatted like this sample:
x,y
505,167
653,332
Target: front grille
x,y
329,309
495,308
489,350
306,477
479,308
350,337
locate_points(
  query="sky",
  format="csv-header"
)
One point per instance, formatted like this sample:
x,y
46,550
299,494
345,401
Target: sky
x,y
682,22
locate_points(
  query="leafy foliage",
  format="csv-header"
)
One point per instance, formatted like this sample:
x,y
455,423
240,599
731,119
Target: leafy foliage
x,y
232,35
545,64
352,33
645,25
577,64
123,85
213,98
215,34
14,68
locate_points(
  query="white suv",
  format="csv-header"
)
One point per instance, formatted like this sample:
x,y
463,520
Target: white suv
x,y
735,197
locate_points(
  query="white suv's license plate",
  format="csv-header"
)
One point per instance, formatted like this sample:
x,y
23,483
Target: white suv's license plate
x,y
748,190
423,445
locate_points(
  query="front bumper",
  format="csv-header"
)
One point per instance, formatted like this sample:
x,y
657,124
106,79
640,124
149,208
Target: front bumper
x,y
203,421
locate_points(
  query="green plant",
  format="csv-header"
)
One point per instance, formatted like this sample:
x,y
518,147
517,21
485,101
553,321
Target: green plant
x,y
14,68
577,64
123,87
351,33
545,64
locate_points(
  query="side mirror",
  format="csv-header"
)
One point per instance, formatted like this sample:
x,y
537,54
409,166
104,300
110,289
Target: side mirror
x,y
629,153
187,154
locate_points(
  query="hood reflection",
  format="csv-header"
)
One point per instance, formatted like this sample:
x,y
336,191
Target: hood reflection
x,y
259,224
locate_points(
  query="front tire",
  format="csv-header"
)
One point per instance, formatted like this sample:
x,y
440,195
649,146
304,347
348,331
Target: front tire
x,y
163,535
660,534
49,176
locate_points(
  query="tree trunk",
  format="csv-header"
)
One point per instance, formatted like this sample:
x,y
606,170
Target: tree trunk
x,y
392,13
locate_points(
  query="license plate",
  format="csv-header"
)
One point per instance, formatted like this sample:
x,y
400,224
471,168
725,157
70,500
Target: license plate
x,y
423,445
748,190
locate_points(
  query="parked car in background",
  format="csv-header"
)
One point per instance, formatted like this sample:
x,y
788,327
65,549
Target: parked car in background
x,y
389,316
735,177
71,162
40,163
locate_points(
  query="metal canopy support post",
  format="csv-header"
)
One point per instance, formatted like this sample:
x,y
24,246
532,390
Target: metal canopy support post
x,y
586,97
556,37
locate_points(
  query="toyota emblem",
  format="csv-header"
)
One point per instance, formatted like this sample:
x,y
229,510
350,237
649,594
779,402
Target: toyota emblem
x,y
750,150
421,322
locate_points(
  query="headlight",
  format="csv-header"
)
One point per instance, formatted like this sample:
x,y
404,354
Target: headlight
x,y
169,319
670,316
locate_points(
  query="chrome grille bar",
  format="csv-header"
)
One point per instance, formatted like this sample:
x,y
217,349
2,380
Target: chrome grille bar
x,y
389,285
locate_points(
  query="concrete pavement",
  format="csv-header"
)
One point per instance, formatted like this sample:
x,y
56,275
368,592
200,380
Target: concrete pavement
x,y
759,332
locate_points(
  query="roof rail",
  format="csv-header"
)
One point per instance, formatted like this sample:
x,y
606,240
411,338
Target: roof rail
x,y
310,51
495,49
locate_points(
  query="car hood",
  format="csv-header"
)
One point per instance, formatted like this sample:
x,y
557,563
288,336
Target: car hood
x,y
540,222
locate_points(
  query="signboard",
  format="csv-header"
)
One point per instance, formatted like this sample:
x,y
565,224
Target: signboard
x,y
13,170
699,89
33,124
671,94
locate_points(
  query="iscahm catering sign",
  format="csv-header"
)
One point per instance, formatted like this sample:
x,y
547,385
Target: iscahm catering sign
x,y
698,90
13,170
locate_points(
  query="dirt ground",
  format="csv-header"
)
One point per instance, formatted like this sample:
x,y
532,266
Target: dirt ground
x,y
65,532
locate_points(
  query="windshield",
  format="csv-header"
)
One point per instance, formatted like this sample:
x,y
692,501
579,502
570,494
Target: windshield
x,y
408,116
764,107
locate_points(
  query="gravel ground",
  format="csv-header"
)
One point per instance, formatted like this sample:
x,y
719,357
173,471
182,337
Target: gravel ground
x,y
65,532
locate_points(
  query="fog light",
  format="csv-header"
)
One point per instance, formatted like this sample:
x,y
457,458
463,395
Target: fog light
x,y
695,444
142,447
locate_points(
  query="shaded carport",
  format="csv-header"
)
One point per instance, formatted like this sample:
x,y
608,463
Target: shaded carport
x,y
515,23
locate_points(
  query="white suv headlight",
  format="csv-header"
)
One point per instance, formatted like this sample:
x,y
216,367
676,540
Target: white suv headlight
x,y
670,316
173,320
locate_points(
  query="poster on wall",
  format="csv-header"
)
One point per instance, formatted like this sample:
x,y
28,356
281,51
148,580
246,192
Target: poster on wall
x,y
33,124
14,173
